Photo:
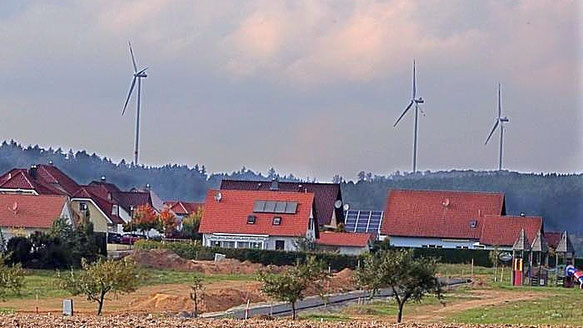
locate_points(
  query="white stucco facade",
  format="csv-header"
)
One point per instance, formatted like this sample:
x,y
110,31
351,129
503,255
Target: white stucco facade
x,y
423,242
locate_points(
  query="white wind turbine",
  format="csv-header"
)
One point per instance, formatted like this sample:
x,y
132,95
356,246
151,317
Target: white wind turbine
x,y
138,76
414,101
500,120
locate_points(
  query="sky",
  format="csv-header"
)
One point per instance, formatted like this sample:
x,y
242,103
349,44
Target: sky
x,y
309,87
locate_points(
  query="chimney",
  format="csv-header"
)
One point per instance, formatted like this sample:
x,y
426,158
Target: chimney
x,y
32,172
147,186
274,185
103,179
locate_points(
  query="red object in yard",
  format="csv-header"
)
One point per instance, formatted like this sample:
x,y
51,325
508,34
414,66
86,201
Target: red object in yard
x,y
517,272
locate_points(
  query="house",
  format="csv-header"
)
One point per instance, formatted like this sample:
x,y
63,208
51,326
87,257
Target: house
x,y
328,198
502,231
261,219
452,219
23,214
182,209
345,243
102,203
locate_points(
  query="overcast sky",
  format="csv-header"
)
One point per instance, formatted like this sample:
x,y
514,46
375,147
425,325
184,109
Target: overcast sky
x,y
308,87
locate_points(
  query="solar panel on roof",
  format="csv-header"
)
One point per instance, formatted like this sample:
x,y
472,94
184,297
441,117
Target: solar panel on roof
x,y
291,207
363,221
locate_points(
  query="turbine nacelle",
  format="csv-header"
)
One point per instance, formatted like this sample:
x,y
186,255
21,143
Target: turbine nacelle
x,y
504,119
419,100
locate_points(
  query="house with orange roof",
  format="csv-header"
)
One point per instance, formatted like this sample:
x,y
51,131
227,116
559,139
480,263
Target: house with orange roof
x,y
453,219
262,219
102,203
23,214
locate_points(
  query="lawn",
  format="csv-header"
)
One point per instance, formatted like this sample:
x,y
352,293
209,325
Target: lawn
x,y
45,283
559,306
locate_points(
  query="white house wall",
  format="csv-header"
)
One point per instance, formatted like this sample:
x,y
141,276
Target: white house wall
x,y
415,242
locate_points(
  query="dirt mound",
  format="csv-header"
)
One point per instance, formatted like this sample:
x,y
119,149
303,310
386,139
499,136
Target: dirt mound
x,y
342,281
212,300
167,259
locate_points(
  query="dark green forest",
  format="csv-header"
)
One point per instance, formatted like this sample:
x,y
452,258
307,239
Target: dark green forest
x,y
556,197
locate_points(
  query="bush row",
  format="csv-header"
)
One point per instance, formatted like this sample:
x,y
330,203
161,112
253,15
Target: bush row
x,y
195,251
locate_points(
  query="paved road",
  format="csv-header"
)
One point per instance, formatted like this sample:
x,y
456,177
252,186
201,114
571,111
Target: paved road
x,y
309,303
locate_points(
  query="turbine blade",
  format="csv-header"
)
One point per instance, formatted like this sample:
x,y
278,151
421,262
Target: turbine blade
x,y
404,112
129,95
492,132
414,81
499,103
142,71
133,58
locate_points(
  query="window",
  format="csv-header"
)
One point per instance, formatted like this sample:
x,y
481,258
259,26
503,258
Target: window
x,y
473,223
228,244
114,210
251,219
256,245
242,244
277,220
280,244
269,206
216,244
82,206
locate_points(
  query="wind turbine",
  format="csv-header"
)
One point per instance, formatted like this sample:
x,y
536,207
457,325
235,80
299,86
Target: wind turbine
x,y
138,76
414,101
500,120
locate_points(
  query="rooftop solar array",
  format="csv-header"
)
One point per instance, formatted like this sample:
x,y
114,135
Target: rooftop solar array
x,y
363,221
267,206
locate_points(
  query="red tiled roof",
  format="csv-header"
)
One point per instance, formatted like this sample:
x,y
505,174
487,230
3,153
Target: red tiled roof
x,y
553,238
325,194
21,179
230,214
504,230
439,214
330,238
55,177
31,211
183,208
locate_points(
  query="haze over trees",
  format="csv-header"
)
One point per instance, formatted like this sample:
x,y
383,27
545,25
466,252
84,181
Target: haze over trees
x,y
556,197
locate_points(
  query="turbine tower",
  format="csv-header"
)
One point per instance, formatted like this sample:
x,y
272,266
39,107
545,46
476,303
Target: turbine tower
x,y
138,76
500,120
414,101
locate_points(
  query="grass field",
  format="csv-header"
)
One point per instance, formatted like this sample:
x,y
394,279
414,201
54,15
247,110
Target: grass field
x,y
487,302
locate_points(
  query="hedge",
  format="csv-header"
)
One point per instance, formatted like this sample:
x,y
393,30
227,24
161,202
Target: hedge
x,y
195,251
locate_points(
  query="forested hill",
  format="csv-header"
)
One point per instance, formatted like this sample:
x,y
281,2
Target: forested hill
x,y
558,198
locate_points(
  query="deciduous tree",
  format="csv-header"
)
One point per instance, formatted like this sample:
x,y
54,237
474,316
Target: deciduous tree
x,y
11,278
96,280
409,278
291,285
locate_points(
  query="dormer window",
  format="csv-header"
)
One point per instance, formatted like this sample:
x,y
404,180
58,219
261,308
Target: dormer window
x,y
251,219
277,220
473,223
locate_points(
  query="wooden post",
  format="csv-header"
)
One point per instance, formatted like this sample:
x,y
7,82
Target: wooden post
x,y
472,275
